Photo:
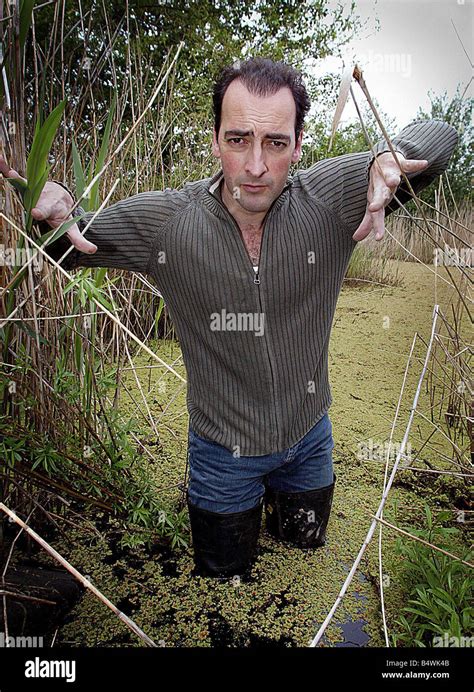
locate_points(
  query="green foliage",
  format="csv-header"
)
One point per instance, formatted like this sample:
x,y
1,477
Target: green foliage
x,y
87,289
174,526
457,112
440,602
158,313
26,12
37,168
11,450
79,176
112,471
47,458
214,34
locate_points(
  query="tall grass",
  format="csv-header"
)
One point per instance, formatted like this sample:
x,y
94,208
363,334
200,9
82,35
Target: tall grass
x,y
407,240
63,435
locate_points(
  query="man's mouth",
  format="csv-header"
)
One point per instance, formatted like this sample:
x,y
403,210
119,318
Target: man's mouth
x,y
253,188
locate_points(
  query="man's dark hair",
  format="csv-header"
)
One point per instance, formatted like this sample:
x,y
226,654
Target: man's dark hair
x,y
263,77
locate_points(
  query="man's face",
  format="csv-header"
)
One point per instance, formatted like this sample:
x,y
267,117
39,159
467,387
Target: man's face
x,y
256,145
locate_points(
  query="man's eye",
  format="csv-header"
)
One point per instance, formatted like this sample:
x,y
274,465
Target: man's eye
x,y
277,144
236,140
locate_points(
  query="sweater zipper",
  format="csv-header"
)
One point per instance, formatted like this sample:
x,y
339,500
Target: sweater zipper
x,y
256,274
256,280
273,408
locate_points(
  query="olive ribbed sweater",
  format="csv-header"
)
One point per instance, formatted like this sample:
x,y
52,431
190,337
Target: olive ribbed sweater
x,y
255,346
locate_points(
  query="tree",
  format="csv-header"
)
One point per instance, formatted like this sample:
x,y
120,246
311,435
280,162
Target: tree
x,y
215,33
457,112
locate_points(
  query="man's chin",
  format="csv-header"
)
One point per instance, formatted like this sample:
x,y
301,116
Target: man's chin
x,y
253,203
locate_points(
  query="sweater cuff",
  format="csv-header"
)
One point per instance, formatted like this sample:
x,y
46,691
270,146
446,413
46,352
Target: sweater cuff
x,y
382,147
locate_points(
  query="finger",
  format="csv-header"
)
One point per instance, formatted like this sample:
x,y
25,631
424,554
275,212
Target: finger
x,y
392,180
378,224
49,209
381,197
79,242
8,172
388,176
414,165
364,227
42,212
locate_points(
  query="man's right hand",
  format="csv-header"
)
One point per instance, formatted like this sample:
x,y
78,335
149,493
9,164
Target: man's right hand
x,y
53,207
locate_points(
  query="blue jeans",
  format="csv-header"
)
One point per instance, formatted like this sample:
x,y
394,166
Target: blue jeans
x,y
220,482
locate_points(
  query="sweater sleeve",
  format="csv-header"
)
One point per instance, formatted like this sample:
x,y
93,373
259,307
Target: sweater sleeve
x,y
124,232
342,182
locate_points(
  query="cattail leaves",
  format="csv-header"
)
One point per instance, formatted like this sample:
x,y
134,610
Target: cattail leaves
x,y
94,200
37,168
158,314
49,237
82,177
86,289
79,177
26,12
19,185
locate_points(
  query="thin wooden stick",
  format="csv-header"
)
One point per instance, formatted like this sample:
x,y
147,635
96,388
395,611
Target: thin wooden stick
x,y
420,540
5,618
21,596
358,76
371,530
387,461
85,582
416,468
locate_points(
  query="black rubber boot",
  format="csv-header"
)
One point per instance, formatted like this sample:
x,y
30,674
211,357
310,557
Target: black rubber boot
x,y
299,518
224,544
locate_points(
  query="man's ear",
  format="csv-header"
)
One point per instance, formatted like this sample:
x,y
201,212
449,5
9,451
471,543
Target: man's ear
x,y
296,155
215,145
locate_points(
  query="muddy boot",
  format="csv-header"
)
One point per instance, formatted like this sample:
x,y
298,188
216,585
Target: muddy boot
x,y
224,544
299,518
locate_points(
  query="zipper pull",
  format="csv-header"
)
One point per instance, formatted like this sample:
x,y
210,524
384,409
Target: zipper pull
x,y
256,279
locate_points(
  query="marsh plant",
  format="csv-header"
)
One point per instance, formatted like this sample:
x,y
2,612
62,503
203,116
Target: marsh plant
x,y
440,599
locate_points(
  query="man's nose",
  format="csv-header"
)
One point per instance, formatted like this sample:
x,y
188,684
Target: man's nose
x,y
255,164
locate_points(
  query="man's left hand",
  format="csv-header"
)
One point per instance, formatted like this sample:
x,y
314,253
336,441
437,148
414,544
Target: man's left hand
x,y
385,175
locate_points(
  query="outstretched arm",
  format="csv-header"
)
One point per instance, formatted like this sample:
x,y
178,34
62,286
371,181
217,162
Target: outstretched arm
x,y
120,236
358,187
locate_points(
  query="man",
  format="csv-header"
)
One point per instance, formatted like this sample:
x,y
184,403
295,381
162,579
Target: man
x,y
250,263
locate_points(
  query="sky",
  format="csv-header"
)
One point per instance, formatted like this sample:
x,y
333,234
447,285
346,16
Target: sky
x,y
414,51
